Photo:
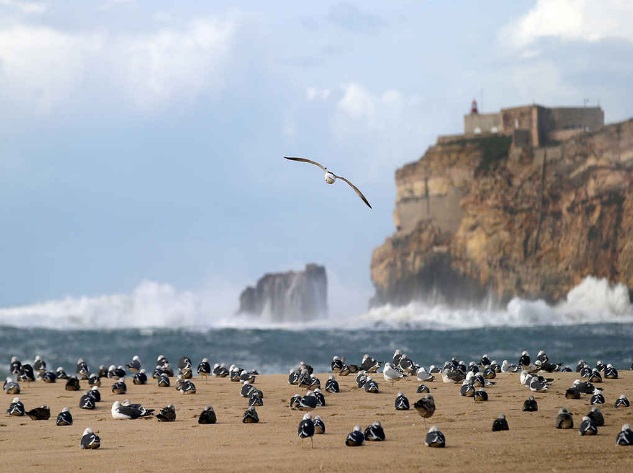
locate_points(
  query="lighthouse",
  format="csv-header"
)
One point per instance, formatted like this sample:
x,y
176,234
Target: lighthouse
x,y
473,107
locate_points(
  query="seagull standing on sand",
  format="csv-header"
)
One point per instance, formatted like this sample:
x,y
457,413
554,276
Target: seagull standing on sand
x,y
306,428
330,177
391,374
425,407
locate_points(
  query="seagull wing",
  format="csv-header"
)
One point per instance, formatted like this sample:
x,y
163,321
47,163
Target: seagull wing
x,y
305,160
360,194
131,411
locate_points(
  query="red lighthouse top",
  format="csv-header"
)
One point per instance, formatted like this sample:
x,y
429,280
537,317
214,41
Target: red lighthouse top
x,y
473,107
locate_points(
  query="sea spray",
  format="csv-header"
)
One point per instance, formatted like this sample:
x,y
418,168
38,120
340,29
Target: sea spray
x,y
160,305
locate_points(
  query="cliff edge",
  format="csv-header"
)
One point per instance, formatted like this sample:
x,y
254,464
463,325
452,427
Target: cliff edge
x,y
493,216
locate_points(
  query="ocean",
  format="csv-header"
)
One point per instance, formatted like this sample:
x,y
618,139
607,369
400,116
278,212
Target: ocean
x,y
595,322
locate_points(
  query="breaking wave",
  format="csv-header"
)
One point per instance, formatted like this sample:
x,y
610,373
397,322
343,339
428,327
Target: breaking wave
x,y
159,305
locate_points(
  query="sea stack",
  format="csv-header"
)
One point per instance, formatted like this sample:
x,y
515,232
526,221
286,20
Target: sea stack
x,y
293,296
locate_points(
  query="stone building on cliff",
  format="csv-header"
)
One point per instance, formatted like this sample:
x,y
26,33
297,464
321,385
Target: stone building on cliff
x,y
534,125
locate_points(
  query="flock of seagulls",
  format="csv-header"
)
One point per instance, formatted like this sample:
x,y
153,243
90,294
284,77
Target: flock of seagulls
x,y
475,377
473,380
125,410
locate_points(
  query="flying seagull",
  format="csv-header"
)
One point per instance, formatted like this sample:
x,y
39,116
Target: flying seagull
x,y
330,177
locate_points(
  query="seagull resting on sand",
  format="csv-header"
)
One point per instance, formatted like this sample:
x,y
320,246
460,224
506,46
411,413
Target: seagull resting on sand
x,y
330,177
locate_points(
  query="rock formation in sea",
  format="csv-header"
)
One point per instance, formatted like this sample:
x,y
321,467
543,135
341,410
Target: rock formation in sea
x,y
528,206
293,296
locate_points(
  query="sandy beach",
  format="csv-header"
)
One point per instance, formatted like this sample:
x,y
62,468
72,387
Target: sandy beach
x,y
532,443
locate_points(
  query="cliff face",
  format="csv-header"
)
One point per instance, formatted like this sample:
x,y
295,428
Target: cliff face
x,y
484,217
288,297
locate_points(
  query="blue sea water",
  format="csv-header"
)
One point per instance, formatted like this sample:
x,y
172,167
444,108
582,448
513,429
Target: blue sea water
x,y
595,322
278,350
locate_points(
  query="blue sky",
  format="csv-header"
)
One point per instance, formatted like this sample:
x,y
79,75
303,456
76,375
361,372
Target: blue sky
x,y
141,142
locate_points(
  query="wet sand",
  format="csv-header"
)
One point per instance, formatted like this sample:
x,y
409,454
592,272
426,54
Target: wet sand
x,y
531,444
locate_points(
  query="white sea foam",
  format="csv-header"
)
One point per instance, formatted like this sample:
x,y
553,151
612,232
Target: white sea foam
x,y
160,305
592,301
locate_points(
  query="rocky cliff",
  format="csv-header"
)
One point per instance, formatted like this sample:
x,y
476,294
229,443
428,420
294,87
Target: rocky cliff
x,y
486,217
288,297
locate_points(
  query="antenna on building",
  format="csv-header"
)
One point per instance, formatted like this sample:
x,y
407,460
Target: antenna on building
x,y
481,101
584,102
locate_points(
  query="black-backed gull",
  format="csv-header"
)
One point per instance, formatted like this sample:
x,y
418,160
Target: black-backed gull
x,y
39,413
588,427
250,416
64,417
306,428
207,416
90,440
375,432
500,423
402,402
434,438
167,414
355,438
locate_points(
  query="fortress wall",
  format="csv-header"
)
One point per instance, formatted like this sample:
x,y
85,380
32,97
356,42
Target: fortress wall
x,y
448,139
565,118
543,124
517,118
486,122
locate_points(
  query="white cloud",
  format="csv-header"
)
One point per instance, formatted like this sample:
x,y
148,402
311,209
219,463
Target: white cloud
x,y
357,102
376,111
571,20
381,130
27,8
108,4
41,68
313,94
173,63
